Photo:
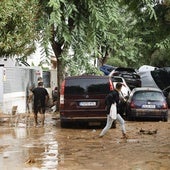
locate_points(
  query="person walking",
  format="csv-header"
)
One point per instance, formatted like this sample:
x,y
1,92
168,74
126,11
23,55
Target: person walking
x,y
41,98
55,99
114,98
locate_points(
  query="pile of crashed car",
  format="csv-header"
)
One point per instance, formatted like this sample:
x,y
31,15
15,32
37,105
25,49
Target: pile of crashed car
x,y
149,94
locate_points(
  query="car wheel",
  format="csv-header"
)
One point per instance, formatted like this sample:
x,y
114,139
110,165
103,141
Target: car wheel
x,y
128,118
165,119
63,124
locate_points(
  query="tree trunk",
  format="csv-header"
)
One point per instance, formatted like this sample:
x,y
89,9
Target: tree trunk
x,y
58,51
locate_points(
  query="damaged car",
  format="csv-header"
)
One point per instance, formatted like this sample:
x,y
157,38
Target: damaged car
x,y
130,75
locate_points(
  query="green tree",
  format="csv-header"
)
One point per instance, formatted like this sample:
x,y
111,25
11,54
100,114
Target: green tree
x,y
125,32
160,55
90,29
17,27
83,27
153,30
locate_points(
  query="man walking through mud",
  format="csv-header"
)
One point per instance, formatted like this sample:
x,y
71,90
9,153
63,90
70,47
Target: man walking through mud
x,y
41,98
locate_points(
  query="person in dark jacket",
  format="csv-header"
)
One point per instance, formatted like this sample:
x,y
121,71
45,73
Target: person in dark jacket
x,y
114,98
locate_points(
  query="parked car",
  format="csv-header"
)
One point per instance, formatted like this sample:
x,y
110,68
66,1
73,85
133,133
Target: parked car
x,y
82,99
148,103
166,92
129,74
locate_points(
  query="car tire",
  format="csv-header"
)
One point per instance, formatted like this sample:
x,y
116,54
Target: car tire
x,y
63,124
128,118
165,119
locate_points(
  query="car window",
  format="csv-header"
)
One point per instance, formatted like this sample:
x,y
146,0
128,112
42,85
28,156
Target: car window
x,y
117,79
148,95
130,70
87,86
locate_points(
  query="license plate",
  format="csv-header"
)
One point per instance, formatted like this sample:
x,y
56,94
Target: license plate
x,y
87,103
149,106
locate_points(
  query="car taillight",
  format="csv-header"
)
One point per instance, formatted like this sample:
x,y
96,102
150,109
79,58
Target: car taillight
x,y
111,85
132,105
164,106
62,92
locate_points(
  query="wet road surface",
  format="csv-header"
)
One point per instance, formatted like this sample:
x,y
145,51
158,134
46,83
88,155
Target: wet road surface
x,y
53,148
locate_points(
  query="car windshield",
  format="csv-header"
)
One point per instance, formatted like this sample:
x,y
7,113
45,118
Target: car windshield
x,y
148,95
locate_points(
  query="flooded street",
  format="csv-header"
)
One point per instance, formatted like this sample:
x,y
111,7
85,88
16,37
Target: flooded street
x,y
53,148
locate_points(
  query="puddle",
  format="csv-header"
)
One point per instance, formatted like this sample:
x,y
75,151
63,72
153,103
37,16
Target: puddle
x,y
28,148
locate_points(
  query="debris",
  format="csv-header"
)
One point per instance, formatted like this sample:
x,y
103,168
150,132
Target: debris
x,y
5,155
148,132
30,161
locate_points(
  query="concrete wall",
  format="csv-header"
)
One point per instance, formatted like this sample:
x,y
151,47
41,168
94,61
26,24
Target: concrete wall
x,y
14,85
1,87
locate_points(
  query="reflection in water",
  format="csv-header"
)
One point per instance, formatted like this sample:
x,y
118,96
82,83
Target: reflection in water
x,y
50,156
44,150
21,132
35,144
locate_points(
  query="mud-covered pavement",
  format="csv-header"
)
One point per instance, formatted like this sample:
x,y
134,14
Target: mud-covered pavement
x,y
53,148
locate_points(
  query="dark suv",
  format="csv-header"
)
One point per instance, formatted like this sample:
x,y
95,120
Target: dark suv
x,y
82,99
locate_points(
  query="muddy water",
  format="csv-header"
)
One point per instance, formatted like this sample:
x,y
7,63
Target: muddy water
x,y
53,148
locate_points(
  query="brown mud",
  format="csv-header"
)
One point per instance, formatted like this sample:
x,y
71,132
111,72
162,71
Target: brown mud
x,y
51,147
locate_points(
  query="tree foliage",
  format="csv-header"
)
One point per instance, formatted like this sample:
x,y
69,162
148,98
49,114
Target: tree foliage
x,y
124,32
153,29
91,29
17,27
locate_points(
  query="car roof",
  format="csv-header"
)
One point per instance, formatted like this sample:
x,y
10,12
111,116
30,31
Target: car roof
x,y
87,76
125,69
146,89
